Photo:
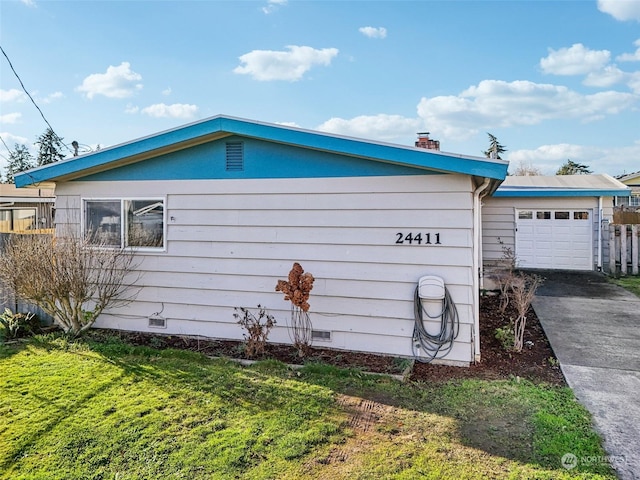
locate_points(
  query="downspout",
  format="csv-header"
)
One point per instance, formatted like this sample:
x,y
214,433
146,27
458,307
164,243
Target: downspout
x,y
600,234
478,281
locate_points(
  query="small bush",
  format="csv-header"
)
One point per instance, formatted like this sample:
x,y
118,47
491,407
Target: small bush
x,y
506,336
18,324
257,327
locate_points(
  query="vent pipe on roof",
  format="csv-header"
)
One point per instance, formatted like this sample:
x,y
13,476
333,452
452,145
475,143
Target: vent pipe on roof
x,y
425,142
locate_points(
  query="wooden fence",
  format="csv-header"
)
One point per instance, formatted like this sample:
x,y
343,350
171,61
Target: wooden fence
x,y
623,249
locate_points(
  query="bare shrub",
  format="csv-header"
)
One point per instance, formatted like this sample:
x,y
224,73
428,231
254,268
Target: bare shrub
x,y
71,278
296,289
257,327
506,274
523,291
519,289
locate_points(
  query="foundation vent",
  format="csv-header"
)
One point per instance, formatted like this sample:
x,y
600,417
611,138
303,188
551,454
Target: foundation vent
x,y
321,335
157,321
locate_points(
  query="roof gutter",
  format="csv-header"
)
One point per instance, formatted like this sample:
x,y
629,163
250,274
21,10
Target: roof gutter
x,y
478,282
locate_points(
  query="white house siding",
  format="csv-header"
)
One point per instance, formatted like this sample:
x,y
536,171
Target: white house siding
x,y
229,241
499,222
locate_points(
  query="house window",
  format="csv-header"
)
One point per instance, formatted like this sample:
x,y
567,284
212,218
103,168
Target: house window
x,y
525,215
561,215
18,220
125,222
581,215
543,215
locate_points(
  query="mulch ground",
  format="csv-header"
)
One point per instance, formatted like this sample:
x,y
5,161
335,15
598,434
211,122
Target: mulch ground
x,y
536,362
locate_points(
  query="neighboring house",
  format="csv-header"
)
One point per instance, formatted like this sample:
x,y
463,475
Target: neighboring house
x,y
25,210
220,209
632,180
554,222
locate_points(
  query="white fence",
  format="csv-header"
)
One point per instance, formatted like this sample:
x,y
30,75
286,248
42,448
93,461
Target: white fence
x,y
623,249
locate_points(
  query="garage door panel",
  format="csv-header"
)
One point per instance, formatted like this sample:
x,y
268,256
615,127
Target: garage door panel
x,y
543,230
556,242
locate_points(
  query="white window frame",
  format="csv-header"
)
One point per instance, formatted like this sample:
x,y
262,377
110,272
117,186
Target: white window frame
x,y
123,220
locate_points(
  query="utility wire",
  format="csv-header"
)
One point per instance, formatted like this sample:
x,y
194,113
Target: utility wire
x,y
5,145
32,100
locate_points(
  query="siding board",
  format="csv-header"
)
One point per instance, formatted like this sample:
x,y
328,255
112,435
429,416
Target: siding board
x,y
229,241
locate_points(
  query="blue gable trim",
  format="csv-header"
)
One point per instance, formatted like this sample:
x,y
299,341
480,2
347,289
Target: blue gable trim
x,y
261,160
221,126
555,192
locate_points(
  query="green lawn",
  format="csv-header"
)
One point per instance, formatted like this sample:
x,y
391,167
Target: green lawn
x,y
82,410
631,283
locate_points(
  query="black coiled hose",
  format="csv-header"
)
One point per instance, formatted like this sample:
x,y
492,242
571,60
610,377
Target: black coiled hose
x,y
427,347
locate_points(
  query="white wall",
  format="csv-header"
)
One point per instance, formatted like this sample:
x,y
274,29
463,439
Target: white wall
x,y
229,241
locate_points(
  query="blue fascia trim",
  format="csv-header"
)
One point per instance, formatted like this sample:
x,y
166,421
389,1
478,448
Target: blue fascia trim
x,y
405,156
550,192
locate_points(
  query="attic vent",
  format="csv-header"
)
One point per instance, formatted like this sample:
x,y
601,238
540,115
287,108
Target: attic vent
x,y
235,156
322,335
157,321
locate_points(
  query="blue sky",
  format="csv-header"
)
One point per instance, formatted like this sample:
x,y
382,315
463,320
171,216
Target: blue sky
x,y
553,80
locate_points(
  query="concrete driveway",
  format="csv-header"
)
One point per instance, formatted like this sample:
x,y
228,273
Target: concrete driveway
x,y
594,329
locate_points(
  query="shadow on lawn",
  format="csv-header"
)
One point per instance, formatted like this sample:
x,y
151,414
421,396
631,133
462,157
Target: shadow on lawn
x,y
494,417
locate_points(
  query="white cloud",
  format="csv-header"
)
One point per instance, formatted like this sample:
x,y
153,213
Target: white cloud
x,y
288,124
53,96
549,158
495,103
117,82
608,76
621,9
12,95
29,3
291,65
131,109
373,32
576,60
633,81
631,57
177,110
272,6
10,117
381,126
166,91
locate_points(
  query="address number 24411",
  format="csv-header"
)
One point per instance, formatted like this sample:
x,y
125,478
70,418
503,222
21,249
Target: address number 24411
x,y
418,238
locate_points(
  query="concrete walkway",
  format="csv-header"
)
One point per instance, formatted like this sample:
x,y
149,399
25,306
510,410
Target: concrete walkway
x,y
594,329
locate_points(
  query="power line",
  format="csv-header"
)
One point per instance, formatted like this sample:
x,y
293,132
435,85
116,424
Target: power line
x,y
31,98
5,145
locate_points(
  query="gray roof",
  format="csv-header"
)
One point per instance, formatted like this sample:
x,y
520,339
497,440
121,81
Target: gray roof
x,y
561,185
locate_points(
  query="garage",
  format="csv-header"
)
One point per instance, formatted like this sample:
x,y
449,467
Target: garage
x,y
549,222
559,239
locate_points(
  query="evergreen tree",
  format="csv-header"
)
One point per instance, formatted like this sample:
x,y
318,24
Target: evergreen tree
x,y
573,168
49,148
495,148
20,159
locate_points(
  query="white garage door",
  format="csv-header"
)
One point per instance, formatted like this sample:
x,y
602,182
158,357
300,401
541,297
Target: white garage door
x,y
554,239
